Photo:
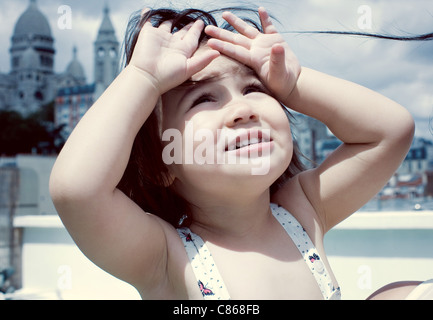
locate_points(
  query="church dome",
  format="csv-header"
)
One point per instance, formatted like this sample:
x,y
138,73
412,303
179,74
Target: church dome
x,y
75,69
32,21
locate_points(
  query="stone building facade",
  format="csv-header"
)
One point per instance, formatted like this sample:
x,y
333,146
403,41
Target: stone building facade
x,y
32,81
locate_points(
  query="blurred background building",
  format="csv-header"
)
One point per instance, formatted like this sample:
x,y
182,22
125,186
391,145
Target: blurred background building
x,y
32,82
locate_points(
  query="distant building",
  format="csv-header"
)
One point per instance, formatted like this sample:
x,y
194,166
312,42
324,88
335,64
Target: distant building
x,y
71,105
414,177
74,74
310,135
32,82
75,97
106,52
419,159
326,146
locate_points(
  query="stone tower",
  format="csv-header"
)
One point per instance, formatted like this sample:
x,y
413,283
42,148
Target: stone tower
x,y
106,52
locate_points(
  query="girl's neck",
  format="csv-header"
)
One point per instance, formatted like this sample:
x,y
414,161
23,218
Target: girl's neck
x,y
231,219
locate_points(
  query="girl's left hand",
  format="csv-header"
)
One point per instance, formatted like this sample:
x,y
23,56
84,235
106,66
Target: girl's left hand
x,y
266,53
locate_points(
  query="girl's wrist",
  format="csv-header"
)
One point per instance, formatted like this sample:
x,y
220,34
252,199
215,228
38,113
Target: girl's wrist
x,y
133,91
144,79
292,94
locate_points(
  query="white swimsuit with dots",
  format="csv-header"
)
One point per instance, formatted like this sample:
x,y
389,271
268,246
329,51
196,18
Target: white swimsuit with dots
x,y
210,282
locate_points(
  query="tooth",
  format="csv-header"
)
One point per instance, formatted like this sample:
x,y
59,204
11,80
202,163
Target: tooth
x,y
254,140
232,147
244,143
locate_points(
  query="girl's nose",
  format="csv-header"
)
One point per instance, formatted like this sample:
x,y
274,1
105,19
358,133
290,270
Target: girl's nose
x,y
240,113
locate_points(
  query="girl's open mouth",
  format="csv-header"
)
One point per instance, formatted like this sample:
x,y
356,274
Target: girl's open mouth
x,y
249,142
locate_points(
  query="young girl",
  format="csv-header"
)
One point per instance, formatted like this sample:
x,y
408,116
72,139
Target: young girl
x,y
213,229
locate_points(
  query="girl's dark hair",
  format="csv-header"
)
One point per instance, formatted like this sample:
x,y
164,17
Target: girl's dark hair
x,y
146,176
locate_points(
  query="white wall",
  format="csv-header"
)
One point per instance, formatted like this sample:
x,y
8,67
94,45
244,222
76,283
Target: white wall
x,y
35,176
370,250
54,268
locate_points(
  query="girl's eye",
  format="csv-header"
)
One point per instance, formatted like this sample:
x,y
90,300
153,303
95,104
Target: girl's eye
x,y
252,88
202,99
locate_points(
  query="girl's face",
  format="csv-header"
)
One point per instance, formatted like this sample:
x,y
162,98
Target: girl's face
x,y
223,126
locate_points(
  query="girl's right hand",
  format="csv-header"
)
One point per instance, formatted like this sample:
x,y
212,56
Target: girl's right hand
x,y
168,59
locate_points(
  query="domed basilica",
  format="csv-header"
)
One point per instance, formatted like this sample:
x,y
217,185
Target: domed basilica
x,y
32,81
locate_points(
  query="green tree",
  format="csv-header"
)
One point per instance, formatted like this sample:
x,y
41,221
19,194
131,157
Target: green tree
x,y
32,134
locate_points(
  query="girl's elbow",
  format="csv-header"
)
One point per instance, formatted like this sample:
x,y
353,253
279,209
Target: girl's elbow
x,y
407,124
60,191
64,190
402,129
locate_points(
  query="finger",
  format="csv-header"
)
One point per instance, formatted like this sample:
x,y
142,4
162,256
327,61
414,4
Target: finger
x,y
277,63
194,31
240,25
182,32
146,26
266,21
166,25
200,60
233,51
228,36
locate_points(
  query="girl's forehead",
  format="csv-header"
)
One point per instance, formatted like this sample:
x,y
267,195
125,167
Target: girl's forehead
x,y
221,67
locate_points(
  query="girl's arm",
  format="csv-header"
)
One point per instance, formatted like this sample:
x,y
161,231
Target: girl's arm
x,y
100,219
107,226
376,131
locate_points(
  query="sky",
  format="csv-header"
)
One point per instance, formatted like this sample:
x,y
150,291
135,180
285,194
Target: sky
x,y
402,71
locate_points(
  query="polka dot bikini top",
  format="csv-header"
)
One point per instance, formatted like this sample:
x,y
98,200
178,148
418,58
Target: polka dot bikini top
x,y
210,282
